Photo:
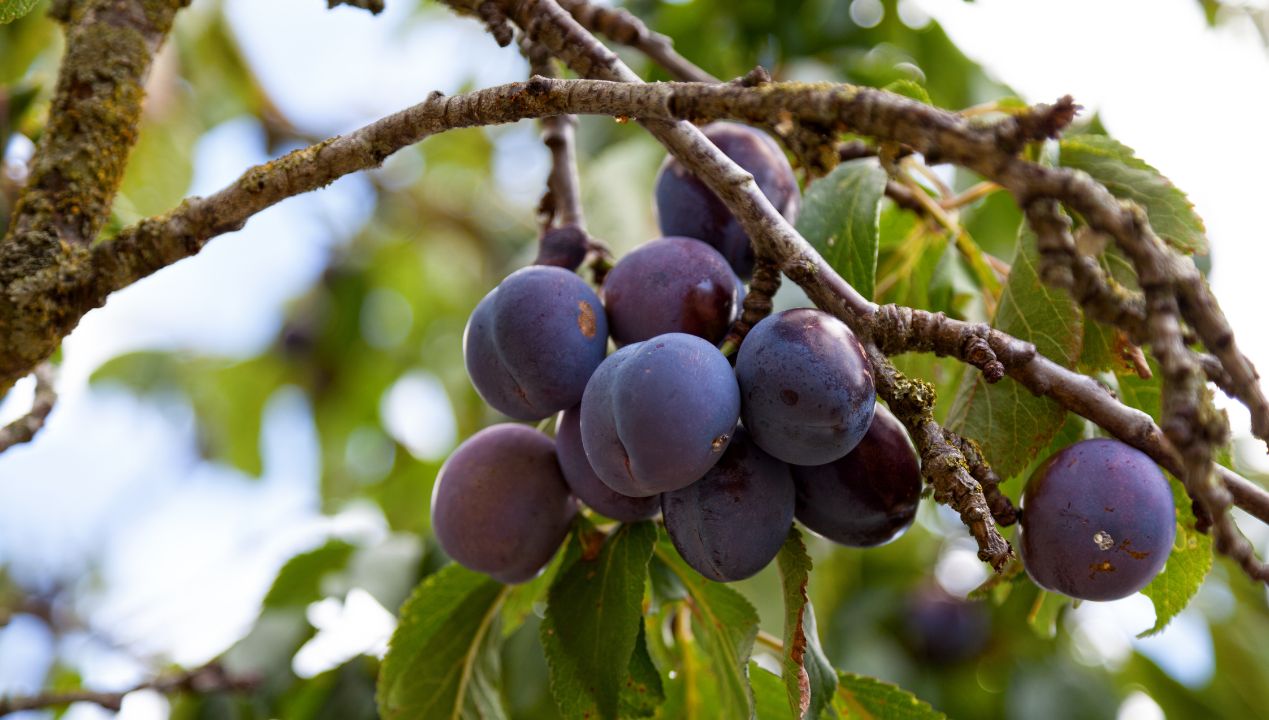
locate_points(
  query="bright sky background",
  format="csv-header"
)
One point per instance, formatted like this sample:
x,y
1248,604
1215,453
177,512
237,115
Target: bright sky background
x,y
187,549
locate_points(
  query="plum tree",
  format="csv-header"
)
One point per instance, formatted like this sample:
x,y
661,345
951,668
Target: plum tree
x,y
947,255
500,504
671,284
807,389
686,206
657,414
533,341
732,522
586,485
870,495
1098,521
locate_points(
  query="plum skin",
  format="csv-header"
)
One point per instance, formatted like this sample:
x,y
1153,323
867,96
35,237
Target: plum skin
x,y
1098,521
731,523
586,485
533,341
658,414
686,206
870,496
500,505
807,389
671,284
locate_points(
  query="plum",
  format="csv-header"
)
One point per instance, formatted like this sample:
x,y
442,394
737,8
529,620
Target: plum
x,y
1098,521
686,206
500,505
806,387
532,342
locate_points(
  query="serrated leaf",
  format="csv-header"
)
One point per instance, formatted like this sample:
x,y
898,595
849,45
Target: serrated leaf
x,y
727,625
841,217
11,10
1008,421
863,698
593,615
1114,165
299,582
1188,565
442,661
808,675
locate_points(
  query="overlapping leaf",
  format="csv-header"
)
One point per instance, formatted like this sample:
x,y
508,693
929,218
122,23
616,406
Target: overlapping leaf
x,y
841,216
864,698
442,661
592,624
1008,421
1114,165
726,625
1188,565
808,675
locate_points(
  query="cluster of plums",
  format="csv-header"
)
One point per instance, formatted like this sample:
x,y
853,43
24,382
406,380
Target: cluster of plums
x,y
728,456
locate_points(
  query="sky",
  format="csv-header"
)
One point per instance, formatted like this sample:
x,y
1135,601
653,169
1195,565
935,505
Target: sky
x,y
113,482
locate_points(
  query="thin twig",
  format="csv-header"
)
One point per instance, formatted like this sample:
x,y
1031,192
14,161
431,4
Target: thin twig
x,y
618,25
210,678
24,428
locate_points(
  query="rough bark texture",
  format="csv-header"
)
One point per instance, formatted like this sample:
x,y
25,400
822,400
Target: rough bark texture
x,y
75,173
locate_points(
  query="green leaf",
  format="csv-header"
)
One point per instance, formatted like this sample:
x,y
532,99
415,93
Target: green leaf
x,y
909,89
1144,394
527,598
1008,421
1114,165
727,625
593,615
11,10
442,661
841,216
1188,565
863,698
768,693
808,675
643,693
299,582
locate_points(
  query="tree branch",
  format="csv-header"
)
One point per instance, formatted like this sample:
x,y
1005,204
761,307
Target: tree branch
x,y
210,678
75,172
25,427
621,27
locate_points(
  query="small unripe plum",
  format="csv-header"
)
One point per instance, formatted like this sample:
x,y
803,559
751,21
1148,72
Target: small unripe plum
x,y
686,206
1098,521
532,342
868,497
806,387
732,522
658,414
500,505
586,485
673,284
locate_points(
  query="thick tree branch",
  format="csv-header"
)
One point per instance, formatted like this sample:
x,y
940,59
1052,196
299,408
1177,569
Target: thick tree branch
x,y
210,678
75,172
25,427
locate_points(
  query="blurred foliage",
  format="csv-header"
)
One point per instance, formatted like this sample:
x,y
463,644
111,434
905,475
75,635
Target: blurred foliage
x,y
392,303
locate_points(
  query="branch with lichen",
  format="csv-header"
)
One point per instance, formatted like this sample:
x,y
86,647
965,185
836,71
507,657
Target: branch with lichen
x,y
207,679
75,172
